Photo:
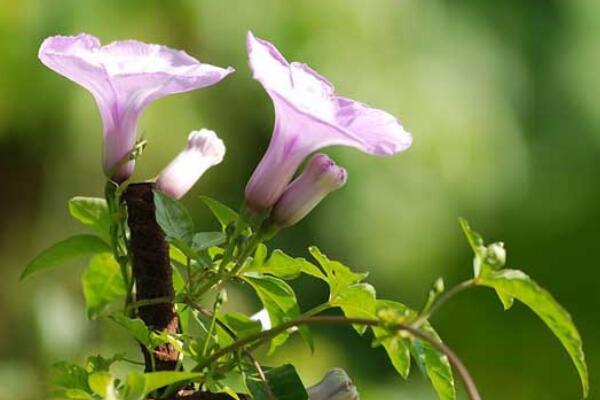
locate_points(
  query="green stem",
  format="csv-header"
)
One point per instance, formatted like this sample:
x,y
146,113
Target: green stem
x,y
335,320
441,300
248,354
116,230
316,310
211,328
220,279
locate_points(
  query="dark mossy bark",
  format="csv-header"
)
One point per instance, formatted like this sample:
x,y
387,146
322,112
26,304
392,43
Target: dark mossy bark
x,y
152,272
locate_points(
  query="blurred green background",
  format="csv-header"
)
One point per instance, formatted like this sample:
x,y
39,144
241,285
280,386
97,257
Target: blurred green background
x,y
503,99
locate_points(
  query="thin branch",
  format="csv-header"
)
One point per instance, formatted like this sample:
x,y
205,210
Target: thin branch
x,y
443,298
334,320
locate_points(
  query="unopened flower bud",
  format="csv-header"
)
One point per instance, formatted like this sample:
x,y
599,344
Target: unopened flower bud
x,y
320,177
222,297
204,150
495,255
336,385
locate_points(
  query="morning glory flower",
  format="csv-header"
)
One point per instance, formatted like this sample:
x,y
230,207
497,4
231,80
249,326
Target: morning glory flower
x,y
204,150
320,177
124,77
310,116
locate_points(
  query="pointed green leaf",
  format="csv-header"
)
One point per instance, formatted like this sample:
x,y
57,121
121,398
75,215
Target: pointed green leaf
x,y
434,364
99,382
97,363
475,240
173,218
284,384
516,284
282,265
69,376
279,300
240,324
203,240
157,380
93,212
136,327
396,346
339,276
102,284
69,249
356,301
135,385
223,213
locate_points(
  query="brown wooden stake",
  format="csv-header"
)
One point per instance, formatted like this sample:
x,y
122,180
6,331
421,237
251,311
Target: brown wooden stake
x,y
152,272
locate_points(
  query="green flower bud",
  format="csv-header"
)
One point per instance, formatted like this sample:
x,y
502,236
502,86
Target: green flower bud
x,y
222,297
495,255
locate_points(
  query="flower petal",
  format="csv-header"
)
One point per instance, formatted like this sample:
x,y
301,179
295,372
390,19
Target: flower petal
x,y
373,131
74,57
142,73
329,119
297,83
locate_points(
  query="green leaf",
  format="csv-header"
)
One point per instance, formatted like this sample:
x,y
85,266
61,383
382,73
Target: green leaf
x,y
516,284
157,380
284,266
279,300
69,376
135,386
223,213
136,327
93,212
339,276
284,383
475,240
173,218
203,240
434,364
396,348
71,248
356,301
99,382
395,345
97,363
240,324
102,284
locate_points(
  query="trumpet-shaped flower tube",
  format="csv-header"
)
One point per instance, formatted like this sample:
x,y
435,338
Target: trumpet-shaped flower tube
x,y
124,77
320,177
308,117
203,151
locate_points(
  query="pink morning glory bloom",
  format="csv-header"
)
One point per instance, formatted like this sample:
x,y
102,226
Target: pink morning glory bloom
x,y
320,177
310,116
203,151
124,77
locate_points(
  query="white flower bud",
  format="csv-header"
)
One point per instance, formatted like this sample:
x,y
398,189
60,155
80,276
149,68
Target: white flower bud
x,y
203,151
